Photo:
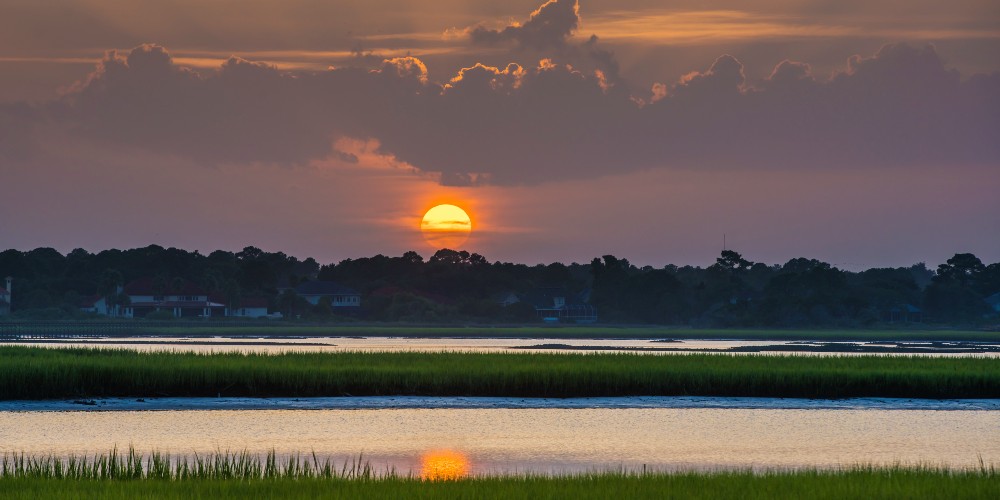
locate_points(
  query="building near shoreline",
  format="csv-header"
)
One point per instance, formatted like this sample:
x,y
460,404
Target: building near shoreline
x,y
342,299
555,304
181,299
246,308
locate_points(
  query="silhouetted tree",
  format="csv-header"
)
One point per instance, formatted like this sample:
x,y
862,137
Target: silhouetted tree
x,y
456,285
953,295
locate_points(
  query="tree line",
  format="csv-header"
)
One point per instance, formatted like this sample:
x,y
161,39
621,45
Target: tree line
x,y
458,286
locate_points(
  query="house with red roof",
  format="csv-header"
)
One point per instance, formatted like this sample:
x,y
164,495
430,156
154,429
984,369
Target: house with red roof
x,y
182,298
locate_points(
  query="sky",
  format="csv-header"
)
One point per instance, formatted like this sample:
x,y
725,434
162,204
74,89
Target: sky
x,y
861,133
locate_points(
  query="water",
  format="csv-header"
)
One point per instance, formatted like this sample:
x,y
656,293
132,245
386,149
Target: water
x,y
538,439
406,344
479,402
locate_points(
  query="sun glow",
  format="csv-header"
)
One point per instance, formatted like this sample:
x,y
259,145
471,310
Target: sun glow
x,y
443,465
446,226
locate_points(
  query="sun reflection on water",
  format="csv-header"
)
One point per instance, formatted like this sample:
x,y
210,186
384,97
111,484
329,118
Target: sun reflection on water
x,y
442,465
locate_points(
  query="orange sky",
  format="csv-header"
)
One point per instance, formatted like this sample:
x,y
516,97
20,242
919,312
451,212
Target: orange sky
x,y
642,142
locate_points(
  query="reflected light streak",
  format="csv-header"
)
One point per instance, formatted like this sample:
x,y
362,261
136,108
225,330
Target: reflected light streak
x,y
443,465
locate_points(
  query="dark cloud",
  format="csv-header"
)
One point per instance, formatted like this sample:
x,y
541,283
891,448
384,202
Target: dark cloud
x,y
788,76
461,179
345,157
548,34
242,112
483,80
545,121
604,59
898,107
547,27
724,77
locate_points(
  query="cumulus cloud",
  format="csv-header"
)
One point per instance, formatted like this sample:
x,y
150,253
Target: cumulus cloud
x,y
548,33
605,60
531,123
484,80
547,27
790,72
724,77
241,112
901,106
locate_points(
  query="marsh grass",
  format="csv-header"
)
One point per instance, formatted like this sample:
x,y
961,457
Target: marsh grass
x,y
40,373
132,465
243,475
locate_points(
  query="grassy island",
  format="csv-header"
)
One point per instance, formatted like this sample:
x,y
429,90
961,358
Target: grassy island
x,y
40,373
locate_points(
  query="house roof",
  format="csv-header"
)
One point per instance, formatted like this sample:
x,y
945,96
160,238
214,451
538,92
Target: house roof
x,y
324,288
177,303
144,286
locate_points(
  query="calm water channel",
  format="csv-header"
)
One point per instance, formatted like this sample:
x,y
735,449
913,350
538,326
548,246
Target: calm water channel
x,y
638,346
514,436
558,440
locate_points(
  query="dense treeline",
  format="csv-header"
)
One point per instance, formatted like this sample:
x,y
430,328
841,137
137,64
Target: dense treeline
x,y
459,286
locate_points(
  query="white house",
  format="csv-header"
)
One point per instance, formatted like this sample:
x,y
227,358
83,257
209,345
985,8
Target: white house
x,y
182,298
341,297
554,304
248,308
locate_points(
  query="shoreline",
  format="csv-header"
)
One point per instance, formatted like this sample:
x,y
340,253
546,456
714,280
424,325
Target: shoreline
x,y
956,347
787,346
498,403
11,331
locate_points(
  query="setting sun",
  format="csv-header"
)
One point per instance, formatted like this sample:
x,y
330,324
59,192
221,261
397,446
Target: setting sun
x,y
533,249
446,226
443,465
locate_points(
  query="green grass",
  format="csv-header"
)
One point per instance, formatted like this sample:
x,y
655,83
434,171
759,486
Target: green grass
x,y
133,465
249,476
811,485
41,373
